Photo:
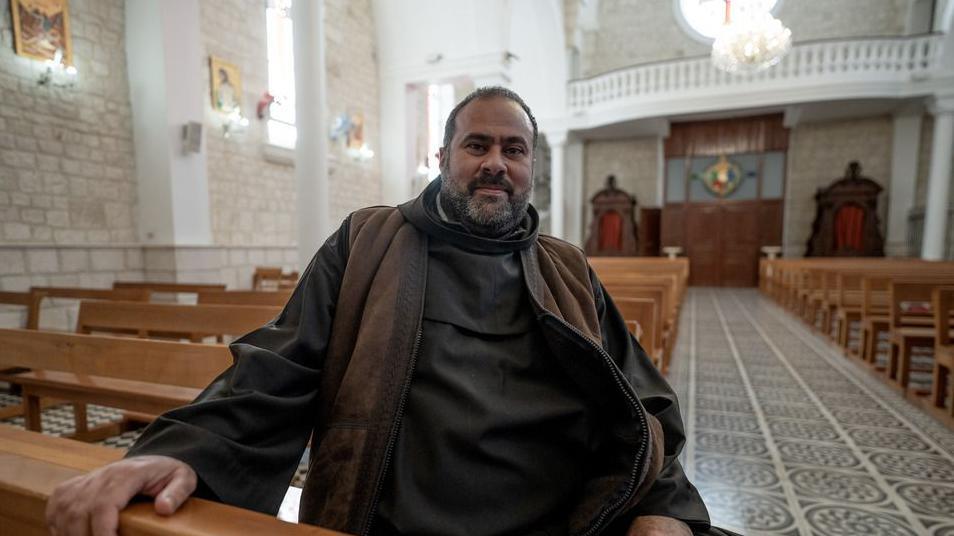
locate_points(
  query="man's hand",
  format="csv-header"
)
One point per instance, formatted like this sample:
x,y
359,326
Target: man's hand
x,y
658,526
90,504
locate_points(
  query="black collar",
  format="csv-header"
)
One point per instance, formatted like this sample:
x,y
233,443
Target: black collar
x,y
422,213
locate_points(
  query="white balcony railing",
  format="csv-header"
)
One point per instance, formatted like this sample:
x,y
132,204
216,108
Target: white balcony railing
x,y
900,59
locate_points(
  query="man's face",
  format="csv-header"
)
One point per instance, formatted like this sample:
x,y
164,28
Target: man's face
x,y
487,168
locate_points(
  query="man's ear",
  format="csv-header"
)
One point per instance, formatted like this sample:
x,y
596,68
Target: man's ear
x,y
442,156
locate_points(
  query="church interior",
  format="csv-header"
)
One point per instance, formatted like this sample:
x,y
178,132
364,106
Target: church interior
x,y
763,187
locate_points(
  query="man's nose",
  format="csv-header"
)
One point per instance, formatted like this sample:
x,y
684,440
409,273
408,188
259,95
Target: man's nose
x,y
493,163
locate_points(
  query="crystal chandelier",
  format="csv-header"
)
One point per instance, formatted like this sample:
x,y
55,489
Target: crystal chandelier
x,y
750,42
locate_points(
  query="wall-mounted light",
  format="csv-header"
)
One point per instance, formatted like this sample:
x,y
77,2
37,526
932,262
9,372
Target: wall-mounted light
x,y
56,74
348,129
234,123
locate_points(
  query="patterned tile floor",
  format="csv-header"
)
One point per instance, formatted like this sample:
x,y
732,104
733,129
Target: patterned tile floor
x,y
785,436
788,437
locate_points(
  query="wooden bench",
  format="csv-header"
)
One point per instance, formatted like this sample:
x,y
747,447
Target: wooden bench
x,y
661,280
942,301
32,465
273,278
38,294
168,287
171,319
642,317
911,324
146,376
245,297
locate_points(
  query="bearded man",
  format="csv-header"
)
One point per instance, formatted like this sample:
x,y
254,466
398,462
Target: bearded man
x,y
457,372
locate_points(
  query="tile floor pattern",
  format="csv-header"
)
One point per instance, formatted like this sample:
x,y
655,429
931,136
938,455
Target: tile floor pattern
x,y
788,437
785,436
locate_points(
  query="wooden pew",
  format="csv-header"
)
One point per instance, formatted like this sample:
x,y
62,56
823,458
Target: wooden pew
x,y
273,278
912,323
643,313
942,300
245,297
38,294
144,376
32,465
168,287
172,319
664,280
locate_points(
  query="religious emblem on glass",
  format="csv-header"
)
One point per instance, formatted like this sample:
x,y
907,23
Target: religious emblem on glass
x,y
721,178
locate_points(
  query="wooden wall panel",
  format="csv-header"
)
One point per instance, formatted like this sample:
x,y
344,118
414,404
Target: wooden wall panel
x,y
770,222
672,231
704,236
727,136
741,242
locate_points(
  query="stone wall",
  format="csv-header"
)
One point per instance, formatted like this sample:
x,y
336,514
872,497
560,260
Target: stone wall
x,y
252,199
352,64
66,154
639,31
818,154
632,160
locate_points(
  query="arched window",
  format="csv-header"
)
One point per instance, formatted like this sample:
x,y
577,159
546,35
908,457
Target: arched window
x,y
702,19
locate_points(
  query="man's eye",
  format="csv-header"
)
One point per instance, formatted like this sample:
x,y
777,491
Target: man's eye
x,y
515,151
474,147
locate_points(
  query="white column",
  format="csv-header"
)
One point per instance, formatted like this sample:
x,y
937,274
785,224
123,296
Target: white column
x,y
573,181
311,151
904,172
939,181
395,179
167,90
557,141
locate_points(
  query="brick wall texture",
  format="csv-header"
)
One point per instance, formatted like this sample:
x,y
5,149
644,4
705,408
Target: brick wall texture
x,y
639,31
253,200
66,155
352,65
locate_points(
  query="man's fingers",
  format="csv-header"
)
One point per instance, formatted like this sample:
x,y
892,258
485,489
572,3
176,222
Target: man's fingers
x,y
92,502
105,520
179,488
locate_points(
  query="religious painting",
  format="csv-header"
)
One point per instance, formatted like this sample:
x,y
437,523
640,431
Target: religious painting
x,y
226,86
41,30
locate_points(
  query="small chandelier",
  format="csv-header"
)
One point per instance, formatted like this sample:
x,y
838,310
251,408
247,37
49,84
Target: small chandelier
x,y
751,42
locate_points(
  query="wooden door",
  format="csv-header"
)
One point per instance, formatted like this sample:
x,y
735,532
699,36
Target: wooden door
x,y
704,244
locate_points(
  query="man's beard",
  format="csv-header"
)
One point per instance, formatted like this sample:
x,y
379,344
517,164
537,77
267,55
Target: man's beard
x,y
480,215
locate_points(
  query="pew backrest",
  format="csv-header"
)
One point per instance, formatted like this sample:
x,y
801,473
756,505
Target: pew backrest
x,y
177,319
166,362
277,298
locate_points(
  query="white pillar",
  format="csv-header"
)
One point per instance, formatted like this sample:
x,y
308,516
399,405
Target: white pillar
x,y
167,90
557,141
395,180
311,151
904,172
573,181
939,182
